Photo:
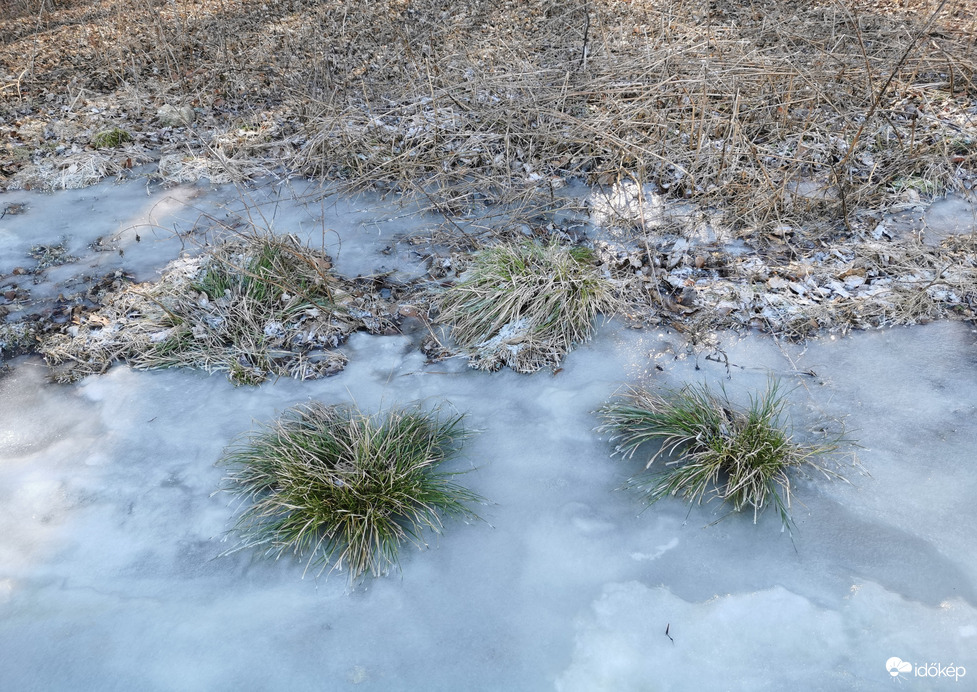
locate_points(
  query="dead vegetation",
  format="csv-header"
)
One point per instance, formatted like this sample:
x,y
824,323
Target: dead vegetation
x,y
869,282
794,126
254,306
525,305
772,112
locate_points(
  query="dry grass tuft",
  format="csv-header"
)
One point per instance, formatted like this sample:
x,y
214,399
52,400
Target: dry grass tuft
x,y
525,305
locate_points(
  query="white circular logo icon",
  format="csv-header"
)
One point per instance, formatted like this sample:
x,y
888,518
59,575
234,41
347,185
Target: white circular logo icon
x,y
896,665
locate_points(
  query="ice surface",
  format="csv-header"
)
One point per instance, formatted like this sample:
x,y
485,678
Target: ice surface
x,y
138,227
112,573
113,213
949,216
365,235
954,214
801,645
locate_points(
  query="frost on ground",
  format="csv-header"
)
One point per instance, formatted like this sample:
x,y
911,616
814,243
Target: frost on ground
x,y
756,180
461,103
749,181
253,307
68,282
112,536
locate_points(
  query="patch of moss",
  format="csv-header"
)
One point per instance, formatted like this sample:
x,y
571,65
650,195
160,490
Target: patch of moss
x,y
110,139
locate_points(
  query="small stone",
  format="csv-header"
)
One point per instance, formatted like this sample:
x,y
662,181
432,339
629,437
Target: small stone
x,y
19,271
175,116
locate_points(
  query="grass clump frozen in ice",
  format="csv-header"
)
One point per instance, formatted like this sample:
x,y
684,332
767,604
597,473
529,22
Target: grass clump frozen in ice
x,y
266,270
339,487
253,306
524,305
711,448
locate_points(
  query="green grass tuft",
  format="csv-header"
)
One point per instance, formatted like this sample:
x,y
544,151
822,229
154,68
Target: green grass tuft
x,y
712,448
272,267
342,488
525,305
257,291
254,305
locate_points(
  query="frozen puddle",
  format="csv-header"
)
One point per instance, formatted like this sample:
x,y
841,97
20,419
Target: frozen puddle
x,y
110,536
111,532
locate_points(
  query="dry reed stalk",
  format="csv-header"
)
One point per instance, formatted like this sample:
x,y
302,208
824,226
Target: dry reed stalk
x,y
774,113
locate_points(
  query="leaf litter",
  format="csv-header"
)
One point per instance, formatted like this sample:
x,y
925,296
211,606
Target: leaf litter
x,y
747,158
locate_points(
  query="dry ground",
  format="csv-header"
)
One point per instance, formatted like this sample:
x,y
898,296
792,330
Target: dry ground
x,y
771,111
797,125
